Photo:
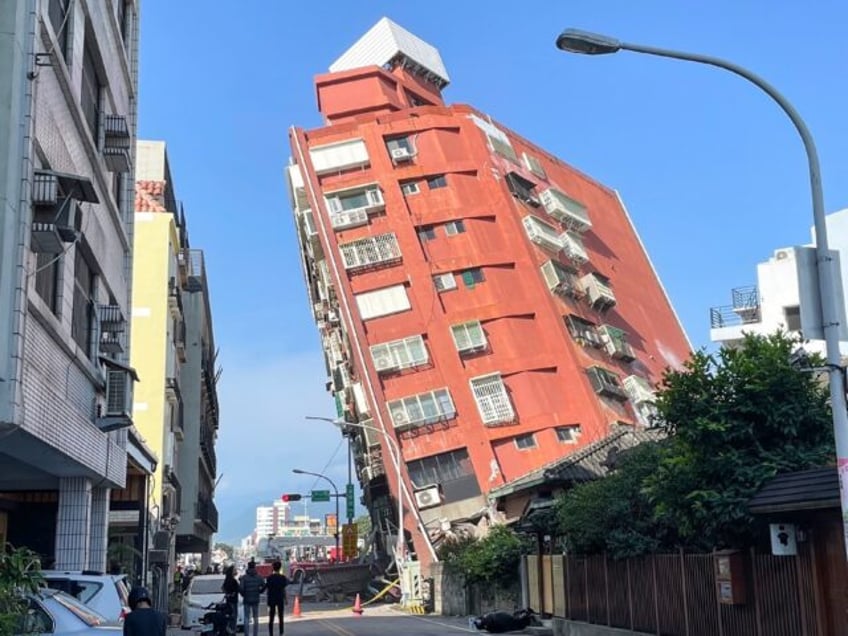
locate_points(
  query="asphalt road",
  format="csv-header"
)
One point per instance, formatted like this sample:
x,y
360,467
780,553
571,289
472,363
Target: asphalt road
x,y
376,621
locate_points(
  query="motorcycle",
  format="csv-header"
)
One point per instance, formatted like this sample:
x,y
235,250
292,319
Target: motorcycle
x,y
216,621
500,622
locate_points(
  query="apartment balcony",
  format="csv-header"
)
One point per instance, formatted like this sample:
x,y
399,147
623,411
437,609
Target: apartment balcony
x,y
206,512
351,208
729,322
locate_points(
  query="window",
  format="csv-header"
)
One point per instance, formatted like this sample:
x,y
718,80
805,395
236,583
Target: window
x,y
416,100
410,187
344,155
454,227
444,282
59,15
452,471
400,149
422,409
358,199
606,383
472,276
427,233
792,318
439,181
82,322
382,302
498,140
371,250
522,189
123,17
492,399
525,442
91,89
568,434
534,165
47,279
399,354
469,336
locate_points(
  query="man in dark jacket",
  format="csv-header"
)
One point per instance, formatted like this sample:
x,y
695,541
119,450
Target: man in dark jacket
x,y
143,620
276,586
251,587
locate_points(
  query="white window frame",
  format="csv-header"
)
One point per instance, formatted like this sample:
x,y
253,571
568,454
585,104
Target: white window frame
x,y
411,411
444,282
492,399
409,188
473,334
574,433
394,300
451,227
339,156
404,353
534,165
526,436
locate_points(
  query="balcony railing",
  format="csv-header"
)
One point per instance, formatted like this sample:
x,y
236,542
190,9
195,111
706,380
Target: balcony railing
x,y
207,513
745,309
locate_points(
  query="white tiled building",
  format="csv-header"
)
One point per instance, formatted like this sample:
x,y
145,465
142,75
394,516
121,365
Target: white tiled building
x,y
67,130
786,295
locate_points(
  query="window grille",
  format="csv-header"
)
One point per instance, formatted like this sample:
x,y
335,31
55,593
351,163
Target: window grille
x,y
492,399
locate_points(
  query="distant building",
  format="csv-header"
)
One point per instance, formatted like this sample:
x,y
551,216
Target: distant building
x,y
786,295
68,100
480,302
271,519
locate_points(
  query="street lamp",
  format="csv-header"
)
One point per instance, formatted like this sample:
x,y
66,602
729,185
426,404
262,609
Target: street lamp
x,y
298,471
576,41
349,460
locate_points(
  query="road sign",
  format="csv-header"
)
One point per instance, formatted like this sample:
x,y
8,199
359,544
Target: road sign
x,y
320,495
350,537
351,504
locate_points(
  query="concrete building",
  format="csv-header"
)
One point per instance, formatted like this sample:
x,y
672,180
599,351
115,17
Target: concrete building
x,y
482,304
67,127
175,405
786,295
271,519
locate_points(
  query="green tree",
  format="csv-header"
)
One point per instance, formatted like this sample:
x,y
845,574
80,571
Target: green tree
x,y
20,572
613,514
225,547
493,559
734,419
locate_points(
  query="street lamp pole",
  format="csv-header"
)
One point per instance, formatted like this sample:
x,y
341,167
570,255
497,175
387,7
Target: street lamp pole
x,y
298,471
576,41
349,458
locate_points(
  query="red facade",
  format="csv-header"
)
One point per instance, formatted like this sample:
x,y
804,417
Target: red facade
x,y
464,219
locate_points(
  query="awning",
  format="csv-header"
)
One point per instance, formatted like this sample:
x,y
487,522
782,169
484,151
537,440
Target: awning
x,y
814,489
120,366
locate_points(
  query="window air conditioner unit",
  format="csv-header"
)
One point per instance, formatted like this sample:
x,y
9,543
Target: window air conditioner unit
x,y
428,497
384,362
399,417
401,154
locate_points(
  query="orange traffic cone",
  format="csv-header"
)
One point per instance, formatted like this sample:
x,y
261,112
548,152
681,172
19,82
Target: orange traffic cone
x,y
296,611
357,606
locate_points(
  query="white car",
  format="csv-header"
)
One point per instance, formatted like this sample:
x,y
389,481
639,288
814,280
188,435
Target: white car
x,y
203,591
107,594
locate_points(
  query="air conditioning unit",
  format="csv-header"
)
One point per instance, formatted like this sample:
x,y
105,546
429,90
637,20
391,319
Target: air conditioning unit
x,y
118,393
401,154
384,362
428,497
399,417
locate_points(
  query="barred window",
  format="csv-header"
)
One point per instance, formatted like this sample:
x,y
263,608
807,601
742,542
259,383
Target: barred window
x,y
492,399
421,409
400,354
371,250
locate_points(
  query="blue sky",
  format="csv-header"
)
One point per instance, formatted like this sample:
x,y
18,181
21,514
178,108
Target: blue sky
x,y
712,172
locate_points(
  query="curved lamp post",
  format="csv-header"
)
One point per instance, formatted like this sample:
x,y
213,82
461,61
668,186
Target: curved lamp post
x,y
298,471
577,41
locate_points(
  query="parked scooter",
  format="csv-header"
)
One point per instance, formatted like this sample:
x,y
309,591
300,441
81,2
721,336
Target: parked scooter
x,y
216,621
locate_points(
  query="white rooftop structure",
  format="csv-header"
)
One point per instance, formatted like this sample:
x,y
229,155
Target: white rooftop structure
x,y
387,43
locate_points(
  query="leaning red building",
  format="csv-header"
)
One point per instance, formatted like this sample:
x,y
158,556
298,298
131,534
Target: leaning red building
x,y
482,303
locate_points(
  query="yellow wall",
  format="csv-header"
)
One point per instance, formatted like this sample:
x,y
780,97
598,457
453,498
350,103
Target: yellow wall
x,y
154,245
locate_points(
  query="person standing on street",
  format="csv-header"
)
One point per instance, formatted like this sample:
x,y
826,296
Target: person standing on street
x,y
251,587
276,586
230,588
143,620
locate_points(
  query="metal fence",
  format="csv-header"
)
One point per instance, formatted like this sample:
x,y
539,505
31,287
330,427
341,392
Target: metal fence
x,y
676,594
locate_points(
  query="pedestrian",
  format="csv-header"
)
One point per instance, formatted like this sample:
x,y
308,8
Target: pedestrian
x,y
276,586
230,588
143,620
251,587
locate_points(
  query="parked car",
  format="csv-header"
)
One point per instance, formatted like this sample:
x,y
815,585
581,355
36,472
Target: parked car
x,y
203,591
107,594
54,612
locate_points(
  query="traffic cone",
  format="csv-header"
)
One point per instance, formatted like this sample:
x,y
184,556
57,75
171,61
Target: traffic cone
x,y
296,611
357,606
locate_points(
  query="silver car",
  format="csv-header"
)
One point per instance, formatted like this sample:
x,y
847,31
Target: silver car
x,y
57,613
107,594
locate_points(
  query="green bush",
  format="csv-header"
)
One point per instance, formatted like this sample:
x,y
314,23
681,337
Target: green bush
x,y
492,560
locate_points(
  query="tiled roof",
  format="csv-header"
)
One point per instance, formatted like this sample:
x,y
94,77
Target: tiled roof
x,y
150,196
804,490
586,464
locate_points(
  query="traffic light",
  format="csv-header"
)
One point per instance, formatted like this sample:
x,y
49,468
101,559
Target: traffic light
x,y
291,496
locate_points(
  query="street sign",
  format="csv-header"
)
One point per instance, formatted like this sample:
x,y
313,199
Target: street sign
x,y
350,537
351,504
320,495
